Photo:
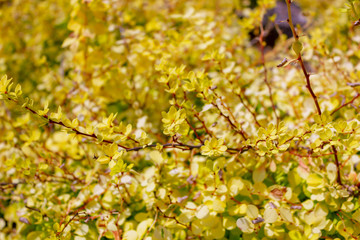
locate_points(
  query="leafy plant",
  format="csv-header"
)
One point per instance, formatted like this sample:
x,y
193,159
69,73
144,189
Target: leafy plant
x,y
215,136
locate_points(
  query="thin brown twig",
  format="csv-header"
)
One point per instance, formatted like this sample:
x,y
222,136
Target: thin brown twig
x,y
66,224
196,114
173,217
60,123
345,104
308,83
233,126
300,60
187,121
128,149
337,165
249,110
241,132
263,62
194,130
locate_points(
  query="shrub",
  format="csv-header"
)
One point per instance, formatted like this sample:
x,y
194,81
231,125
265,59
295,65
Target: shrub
x,y
162,120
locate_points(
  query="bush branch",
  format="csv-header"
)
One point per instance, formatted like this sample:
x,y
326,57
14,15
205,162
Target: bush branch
x,y
299,58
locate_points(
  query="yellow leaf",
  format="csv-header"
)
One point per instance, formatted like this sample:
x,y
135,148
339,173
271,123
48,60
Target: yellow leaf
x,y
229,223
130,235
297,47
202,212
259,174
331,171
219,206
36,235
82,230
156,157
285,213
162,233
103,159
314,180
143,226
308,204
356,215
245,225
295,235
196,227
235,185
347,206
252,211
270,215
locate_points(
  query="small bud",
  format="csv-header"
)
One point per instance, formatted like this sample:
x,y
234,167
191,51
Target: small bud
x,y
297,207
357,23
272,205
24,220
297,47
284,61
182,199
257,220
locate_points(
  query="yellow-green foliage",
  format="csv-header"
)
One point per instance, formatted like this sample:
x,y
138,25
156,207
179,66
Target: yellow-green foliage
x,y
152,119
